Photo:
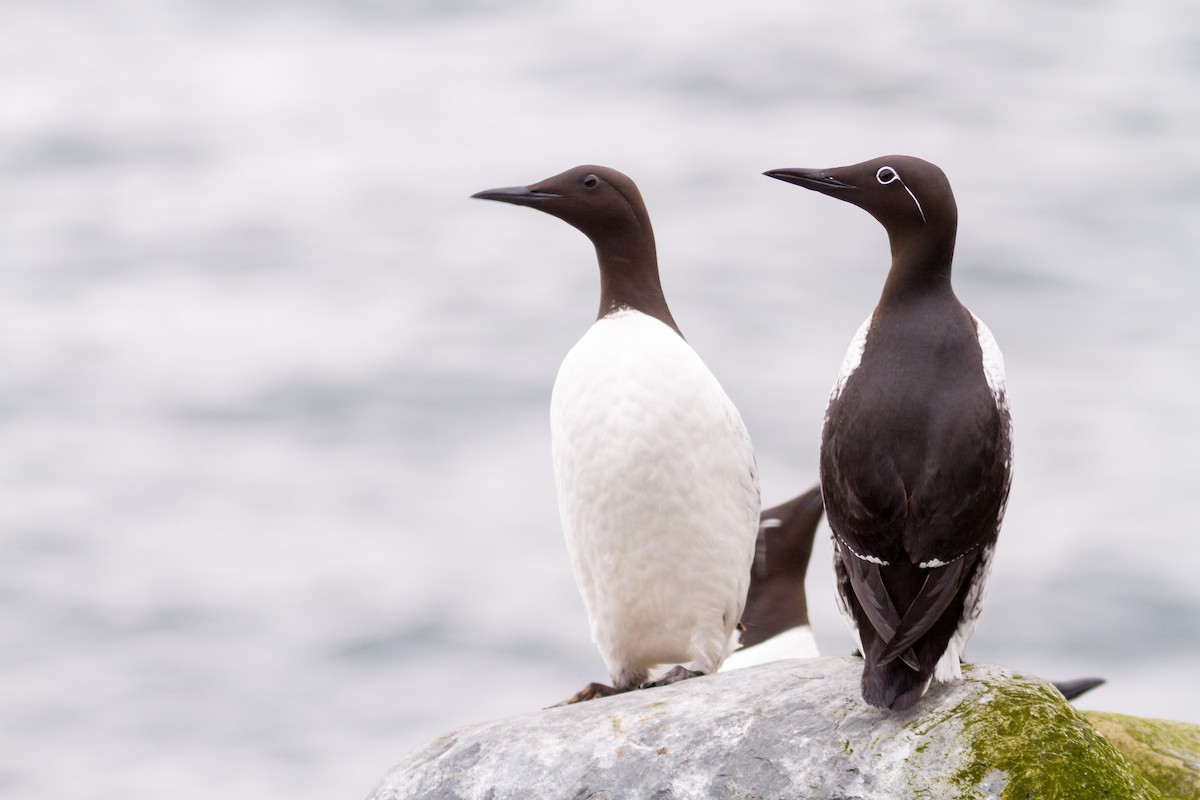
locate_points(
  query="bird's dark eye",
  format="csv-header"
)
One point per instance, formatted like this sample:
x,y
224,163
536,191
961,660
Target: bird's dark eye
x,y
886,175
590,181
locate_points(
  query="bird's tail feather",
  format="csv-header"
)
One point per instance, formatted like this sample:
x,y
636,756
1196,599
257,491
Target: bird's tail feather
x,y
893,685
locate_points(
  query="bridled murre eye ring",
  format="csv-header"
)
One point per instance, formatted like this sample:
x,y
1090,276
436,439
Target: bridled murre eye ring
x,y
886,175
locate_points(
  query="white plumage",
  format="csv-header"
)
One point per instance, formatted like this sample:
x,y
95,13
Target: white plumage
x,y
853,358
797,642
658,493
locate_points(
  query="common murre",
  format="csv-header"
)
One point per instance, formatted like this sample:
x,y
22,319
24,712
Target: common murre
x,y
654,470
916,450
775,623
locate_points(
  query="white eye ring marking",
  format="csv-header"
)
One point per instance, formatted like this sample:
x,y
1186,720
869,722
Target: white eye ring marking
x,y
886,175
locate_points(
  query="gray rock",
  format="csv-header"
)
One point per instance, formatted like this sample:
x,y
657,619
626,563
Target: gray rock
x,y
791,729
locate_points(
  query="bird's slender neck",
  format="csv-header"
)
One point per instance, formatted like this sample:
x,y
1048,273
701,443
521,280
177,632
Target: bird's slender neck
x,y
920,264
629,278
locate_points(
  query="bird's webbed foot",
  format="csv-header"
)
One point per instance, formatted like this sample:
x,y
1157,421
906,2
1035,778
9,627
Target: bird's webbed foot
x,y
592,691
675,675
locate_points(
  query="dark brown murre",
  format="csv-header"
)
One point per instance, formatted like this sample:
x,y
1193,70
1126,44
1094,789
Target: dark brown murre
x,y
775,623
776,600
655,475
916,450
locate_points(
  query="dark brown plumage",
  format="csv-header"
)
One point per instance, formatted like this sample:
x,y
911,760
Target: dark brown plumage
x,y
916,449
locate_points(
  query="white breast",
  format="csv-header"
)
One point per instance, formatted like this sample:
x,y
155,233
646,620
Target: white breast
x,y
797,642
658,494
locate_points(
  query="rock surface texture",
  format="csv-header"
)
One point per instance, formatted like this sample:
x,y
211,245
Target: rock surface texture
x,y
790,729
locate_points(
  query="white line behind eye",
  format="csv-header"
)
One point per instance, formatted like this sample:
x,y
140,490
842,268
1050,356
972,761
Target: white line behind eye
x,y
895,176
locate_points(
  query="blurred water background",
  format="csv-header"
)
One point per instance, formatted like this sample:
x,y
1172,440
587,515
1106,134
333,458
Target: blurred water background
x,y
275,493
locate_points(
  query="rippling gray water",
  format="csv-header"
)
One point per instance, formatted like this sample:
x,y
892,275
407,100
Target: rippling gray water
x,y
276,494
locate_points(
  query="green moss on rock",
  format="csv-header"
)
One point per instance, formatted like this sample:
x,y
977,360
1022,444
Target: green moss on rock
x,y
1042,746
1167,753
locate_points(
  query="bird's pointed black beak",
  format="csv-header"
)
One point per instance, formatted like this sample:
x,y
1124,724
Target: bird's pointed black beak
x,y
517,195
814,179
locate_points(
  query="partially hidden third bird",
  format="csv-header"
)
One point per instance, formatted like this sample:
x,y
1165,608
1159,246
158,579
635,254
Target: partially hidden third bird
x,y
654,470
916,449
775,623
